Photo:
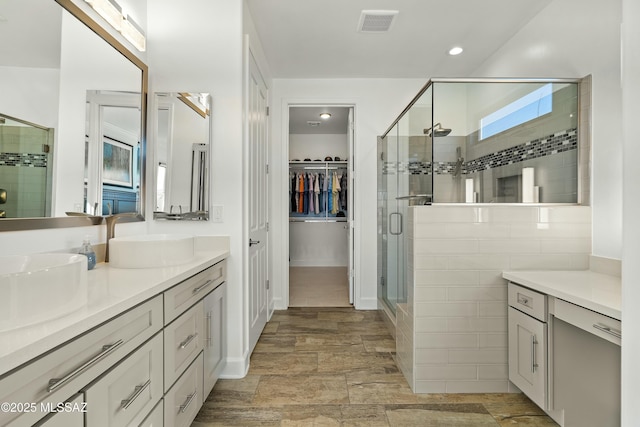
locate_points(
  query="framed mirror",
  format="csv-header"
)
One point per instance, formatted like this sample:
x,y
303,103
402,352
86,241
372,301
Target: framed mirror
x,y
183,130
64,73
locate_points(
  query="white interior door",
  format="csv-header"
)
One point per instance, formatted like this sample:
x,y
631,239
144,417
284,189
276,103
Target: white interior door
x,y
258,203
351,207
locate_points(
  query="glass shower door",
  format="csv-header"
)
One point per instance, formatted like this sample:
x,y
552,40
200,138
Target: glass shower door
x,y
404,179
387,212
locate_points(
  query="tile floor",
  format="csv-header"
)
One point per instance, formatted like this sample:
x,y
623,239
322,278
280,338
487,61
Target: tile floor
x,y
318,287
335,367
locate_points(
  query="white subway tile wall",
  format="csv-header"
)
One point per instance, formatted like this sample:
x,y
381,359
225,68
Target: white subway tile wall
x,y
452,332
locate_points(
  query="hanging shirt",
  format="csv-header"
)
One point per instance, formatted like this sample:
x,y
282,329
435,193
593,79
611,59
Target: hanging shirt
x,y
293,196
330,193
311,194
343,192
316,193
305,179
335,189
300,193
321,188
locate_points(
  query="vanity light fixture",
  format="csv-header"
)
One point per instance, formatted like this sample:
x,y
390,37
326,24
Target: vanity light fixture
x,y
111,12
325,116
455,51
132,32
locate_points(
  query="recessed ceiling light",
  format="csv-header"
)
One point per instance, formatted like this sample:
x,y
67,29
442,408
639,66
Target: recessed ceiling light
x,y
325,116
455,51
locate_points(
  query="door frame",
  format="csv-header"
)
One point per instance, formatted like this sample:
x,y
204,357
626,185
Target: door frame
x,y
283,179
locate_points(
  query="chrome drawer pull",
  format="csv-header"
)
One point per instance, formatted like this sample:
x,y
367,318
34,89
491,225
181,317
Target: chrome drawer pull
x,y
137,392
187,402
56,383
186,342
208,340
201,287
608,330
534,365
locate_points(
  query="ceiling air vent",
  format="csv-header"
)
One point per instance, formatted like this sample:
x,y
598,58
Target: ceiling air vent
x,y
376,21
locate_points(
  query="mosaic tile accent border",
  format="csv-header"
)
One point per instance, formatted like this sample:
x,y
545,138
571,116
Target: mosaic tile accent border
x,y
30,160
546,146
549,145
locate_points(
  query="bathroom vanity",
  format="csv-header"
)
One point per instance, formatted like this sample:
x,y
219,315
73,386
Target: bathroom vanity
x,y
145,350
564,344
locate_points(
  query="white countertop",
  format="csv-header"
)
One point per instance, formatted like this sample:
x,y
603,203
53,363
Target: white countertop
x,y
598,292
111,292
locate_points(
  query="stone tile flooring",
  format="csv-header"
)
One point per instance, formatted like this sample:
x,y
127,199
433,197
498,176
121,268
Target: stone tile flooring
x,y
318,287
335,367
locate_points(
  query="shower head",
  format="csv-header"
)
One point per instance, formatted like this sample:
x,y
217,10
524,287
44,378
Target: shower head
x,y
437,130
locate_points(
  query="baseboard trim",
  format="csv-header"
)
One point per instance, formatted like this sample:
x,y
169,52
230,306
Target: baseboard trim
x,y
236,368
367,304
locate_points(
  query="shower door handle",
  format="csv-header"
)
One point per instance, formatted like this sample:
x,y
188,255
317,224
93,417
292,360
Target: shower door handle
x,y
397,233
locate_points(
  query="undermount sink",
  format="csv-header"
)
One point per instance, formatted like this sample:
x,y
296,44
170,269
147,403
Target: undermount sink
x,y
151,250
40,287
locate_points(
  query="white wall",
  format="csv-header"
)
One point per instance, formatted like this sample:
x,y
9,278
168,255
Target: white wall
x,y
377,103
574,38
318,146
30,94
196,46
631,212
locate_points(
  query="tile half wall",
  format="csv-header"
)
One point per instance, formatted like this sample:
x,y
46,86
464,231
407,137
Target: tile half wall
x,y
452,332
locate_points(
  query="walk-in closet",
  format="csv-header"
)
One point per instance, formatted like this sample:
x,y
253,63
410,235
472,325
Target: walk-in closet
x,y
320,197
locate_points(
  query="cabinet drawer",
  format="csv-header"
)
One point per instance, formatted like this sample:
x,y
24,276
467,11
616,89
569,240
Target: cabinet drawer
x,y
595,323
185,294
62,372
156,417
183,340
528,301
182,402
73,418
127,393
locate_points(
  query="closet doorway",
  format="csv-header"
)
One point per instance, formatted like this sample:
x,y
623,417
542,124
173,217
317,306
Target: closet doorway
x,y
320,206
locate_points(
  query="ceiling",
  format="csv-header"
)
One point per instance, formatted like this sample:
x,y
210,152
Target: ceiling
x,y
337,124
311,39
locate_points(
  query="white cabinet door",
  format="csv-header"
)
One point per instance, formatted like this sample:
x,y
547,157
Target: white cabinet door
x,y
214,342
527,356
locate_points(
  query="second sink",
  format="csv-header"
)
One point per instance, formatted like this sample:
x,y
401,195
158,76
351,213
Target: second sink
x,y
40,287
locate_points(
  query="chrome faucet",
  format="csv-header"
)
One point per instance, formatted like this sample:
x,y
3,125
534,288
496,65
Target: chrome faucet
x,y
111,228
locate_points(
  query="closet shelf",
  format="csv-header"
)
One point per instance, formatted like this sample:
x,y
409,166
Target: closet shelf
x,y
292,219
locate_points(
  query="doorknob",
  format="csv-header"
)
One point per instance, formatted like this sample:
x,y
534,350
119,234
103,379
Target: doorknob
x,y
253,242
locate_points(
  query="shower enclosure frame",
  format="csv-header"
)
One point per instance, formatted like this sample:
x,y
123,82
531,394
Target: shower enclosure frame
x,y
384,281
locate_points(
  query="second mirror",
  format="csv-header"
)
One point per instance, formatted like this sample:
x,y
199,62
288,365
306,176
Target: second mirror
x,y
183,149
